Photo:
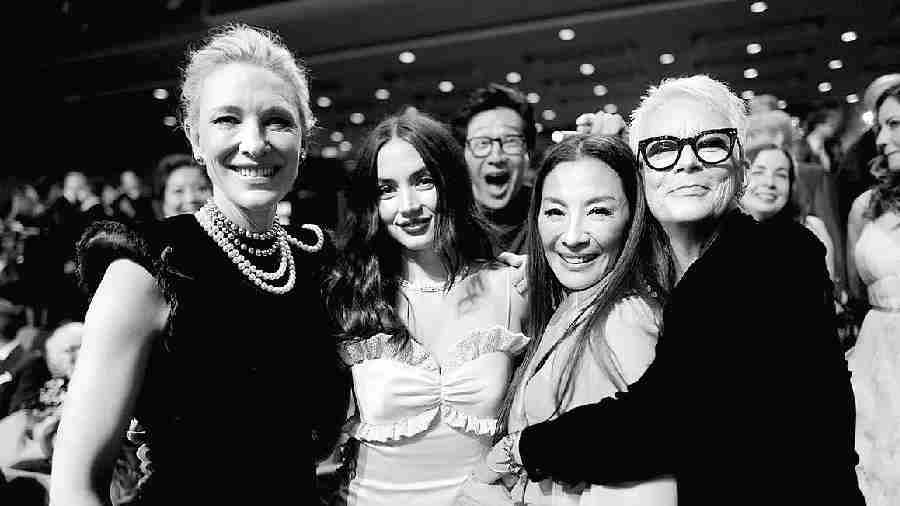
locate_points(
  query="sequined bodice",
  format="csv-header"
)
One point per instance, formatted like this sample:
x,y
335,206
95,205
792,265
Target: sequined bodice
x,y
877,255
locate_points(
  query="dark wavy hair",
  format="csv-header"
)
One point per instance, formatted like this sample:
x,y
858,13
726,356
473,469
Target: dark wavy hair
x,y
361,290
885,193
642,267
494,96
796,208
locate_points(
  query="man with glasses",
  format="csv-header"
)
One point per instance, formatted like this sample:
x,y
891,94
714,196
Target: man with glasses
x,y
496,128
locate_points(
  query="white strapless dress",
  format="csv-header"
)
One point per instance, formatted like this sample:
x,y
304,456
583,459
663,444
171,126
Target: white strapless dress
x,y
422,427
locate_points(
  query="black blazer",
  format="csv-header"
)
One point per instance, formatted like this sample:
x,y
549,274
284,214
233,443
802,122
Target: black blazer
x,y
748,400
22,375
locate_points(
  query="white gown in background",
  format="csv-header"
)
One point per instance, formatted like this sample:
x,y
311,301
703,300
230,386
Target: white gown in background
x,y
875,365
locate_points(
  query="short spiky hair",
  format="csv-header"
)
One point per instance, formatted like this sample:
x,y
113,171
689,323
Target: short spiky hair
x,y
240,43
702,88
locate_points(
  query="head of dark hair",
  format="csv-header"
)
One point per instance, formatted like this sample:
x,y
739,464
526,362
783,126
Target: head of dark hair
x,y
169,164
492,97
362,288
796,207
642,266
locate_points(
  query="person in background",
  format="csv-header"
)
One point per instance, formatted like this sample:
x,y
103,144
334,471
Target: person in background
x,y
181,185
771,195
854,175
742,409
132,202
812,188
497,129
874,267
22,368
205,327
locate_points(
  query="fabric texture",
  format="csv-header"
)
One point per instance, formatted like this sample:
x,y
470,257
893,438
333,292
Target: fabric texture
x,y
875,364
748,400
232,362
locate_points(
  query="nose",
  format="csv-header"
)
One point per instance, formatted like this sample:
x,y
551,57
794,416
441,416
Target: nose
x,y
193,195
409,202
767,180
574,237
495,155
687,161
252,140
882,139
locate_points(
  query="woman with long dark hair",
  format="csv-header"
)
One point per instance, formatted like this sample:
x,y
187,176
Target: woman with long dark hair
x,y
428,321
597,310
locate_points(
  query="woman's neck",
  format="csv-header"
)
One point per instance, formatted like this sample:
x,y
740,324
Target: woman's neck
x,y
255,220
423,268
687,241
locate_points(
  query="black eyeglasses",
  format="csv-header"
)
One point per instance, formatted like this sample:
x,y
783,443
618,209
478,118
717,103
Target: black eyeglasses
x,y
509,144
711,146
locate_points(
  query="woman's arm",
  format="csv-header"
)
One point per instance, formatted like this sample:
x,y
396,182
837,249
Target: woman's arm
x,y
126,312
855,223
818,228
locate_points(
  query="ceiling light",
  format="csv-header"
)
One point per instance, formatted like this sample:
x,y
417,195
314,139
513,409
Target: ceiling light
x,y
406,57
566,34
345,146
600,90
852,98
539,127
781,104
513,77
357,118
548,114
533,98
824,86
323,101
160,94
667,58
329,152
747,94
848,36
758,7
445,86
835,64
754,48
170,121
750,73
586,69
611,108
382,94
336,136
868,117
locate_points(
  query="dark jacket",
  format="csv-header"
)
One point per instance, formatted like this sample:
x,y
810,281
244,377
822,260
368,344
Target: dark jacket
x,y
22,375
748,400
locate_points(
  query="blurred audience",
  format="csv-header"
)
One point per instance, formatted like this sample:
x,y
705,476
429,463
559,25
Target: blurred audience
x,y
22,368
180,185
133,202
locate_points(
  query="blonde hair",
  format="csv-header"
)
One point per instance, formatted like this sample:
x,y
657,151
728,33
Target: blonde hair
x,y
240,43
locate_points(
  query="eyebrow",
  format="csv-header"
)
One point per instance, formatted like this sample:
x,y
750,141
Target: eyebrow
x,y
417,173
592,200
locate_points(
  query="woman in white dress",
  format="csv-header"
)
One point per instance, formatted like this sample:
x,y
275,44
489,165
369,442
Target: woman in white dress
x,y
873,240
597,312
429,320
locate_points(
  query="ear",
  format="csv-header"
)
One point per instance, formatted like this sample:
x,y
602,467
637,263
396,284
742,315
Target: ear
x,y
194,141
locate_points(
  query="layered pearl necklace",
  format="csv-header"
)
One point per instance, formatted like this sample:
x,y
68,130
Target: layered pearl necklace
x,y
231,239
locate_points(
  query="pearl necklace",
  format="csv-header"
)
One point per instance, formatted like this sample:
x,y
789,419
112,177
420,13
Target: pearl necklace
x,y
227,235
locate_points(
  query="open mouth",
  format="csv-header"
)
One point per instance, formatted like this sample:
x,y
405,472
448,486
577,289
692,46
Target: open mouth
x,y
578,259
497,178
255,172
694,190
417,226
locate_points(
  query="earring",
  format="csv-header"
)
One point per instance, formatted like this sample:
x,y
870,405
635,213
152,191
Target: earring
x,y
199,160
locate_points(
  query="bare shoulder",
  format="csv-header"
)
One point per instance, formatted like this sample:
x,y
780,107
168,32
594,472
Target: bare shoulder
x,y
128,294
